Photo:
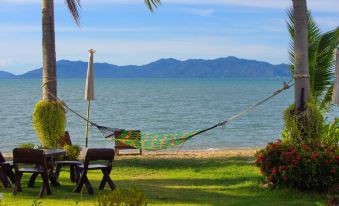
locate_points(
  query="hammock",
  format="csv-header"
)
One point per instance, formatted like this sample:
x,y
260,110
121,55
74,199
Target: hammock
x,y
160,141
151,142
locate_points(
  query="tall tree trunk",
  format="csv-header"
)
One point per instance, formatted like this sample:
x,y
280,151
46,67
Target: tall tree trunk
x,y
49,80
301,74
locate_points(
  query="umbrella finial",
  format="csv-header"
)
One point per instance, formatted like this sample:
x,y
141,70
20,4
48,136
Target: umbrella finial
x,y
91,51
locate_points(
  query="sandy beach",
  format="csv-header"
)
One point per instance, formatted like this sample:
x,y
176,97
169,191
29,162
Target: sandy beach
x,y
175,153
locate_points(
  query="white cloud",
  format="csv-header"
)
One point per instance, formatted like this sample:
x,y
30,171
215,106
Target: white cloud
x,y
199,12
327,22
4,28
316,5
3,62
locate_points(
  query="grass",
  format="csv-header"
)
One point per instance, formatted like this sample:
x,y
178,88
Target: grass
x,y
215,181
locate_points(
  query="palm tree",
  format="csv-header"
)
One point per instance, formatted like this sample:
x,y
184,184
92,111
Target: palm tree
x,y
301,72
321,59
49,91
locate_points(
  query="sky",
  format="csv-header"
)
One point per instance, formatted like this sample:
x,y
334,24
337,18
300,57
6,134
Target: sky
x,y
124,32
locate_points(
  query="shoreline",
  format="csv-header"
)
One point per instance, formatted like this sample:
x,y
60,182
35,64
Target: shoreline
x,y
209,153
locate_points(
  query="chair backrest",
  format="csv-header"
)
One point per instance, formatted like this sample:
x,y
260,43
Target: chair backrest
x,y
2,159
65,140
94,154
29,156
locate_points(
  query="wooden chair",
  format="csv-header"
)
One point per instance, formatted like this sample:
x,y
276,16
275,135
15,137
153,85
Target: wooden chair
x,y
74,174
32,157
121,146
6,172
95,155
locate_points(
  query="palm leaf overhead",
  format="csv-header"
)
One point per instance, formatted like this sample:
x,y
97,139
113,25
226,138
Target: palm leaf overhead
x,y
321,59
325,62
152,3
74,6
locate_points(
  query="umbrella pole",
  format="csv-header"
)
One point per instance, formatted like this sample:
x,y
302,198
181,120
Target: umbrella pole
x,y
87,123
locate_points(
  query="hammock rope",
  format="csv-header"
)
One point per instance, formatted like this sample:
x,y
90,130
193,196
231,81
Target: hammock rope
x,y
145,141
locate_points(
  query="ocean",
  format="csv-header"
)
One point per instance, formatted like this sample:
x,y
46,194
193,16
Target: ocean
x,y
154,105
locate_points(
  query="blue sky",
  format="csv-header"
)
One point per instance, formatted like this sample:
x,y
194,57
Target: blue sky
x,y
124,32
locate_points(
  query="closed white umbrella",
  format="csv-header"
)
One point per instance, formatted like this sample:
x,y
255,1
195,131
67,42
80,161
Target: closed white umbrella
x,y
89,90
336,85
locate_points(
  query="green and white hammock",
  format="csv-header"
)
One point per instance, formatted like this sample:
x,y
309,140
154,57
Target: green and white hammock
x,y
160,141
145,141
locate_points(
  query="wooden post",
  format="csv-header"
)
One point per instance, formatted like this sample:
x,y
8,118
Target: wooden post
x,y
87,123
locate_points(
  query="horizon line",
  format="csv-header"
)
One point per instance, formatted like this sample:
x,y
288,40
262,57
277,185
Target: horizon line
x,y
140,65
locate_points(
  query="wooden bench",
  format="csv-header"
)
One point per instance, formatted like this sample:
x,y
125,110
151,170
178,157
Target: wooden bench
x,y
121,146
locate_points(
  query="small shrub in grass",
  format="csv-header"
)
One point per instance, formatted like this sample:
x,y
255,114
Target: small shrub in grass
x,y
133,196
36,203
305,167
72,151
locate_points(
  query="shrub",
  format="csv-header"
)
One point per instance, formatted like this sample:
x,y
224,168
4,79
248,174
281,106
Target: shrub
x,y
73,151
305,167
49,121
303,127
27,146
331,133
123,197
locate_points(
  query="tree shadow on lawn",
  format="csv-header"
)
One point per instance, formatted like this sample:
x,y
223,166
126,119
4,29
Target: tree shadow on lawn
x,y
183,163
229,191
209,183
62,193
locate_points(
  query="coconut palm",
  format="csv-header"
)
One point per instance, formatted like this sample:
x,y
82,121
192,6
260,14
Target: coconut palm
x,y
321,59
301,72
48,42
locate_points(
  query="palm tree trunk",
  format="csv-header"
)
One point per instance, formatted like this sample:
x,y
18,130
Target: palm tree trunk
x,y
48,47
301,74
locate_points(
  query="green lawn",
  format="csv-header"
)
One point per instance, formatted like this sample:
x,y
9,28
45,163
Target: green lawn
x,y
177,181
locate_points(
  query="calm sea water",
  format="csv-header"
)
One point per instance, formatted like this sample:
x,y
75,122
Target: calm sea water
x,y
153,105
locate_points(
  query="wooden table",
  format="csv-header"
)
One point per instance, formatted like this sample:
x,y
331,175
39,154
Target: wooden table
x,y
49,154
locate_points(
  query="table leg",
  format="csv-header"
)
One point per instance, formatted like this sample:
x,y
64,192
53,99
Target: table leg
x,y
52,176
32,180
4,179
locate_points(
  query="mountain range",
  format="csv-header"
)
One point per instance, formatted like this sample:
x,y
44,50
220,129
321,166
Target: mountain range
x,y
229,67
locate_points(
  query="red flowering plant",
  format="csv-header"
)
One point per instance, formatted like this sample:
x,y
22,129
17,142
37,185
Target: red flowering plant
x,y
305,167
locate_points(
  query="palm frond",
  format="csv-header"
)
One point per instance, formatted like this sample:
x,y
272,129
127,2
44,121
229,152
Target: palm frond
x,y
327,100
74,6
321,58
152,4
324,62
290,28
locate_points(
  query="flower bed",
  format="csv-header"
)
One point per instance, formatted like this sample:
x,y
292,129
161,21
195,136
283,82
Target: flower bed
x,y
305,167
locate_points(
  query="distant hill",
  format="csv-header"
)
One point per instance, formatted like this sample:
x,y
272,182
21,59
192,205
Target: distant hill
x,y
230,67
6,75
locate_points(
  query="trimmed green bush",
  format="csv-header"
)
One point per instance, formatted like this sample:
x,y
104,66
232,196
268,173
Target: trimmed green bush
x,y
303,127
49,121
133,196
73,151
27,146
